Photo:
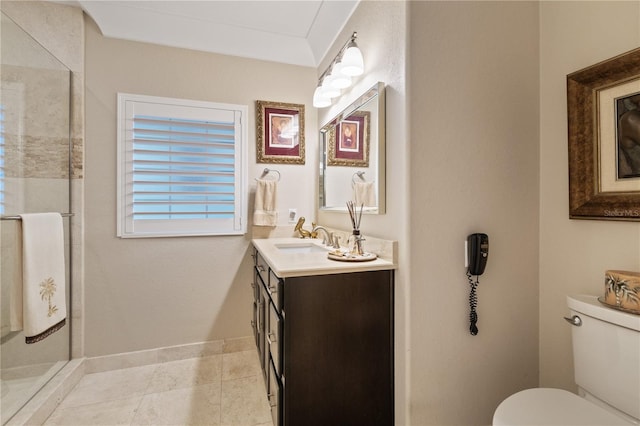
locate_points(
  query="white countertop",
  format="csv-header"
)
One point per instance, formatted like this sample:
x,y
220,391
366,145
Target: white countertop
x,y
291,264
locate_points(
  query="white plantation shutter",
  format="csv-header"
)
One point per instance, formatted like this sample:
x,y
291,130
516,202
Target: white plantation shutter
x,y
181,167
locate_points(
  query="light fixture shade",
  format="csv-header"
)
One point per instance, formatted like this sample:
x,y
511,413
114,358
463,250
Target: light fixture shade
x,y
328,90
319,100
352,61
340,80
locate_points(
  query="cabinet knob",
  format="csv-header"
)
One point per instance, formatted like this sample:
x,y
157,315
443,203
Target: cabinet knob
x,y
260,268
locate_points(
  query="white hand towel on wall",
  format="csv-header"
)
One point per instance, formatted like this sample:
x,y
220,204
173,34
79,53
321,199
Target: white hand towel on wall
x,y
363,193
265,213
44,308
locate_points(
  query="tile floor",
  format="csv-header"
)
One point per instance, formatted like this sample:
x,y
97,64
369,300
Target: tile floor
x,y
225,389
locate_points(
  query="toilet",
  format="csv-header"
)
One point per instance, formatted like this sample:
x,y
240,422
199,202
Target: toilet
x,y
606,357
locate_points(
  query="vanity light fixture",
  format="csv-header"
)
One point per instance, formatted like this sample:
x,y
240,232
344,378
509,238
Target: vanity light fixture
x,y
352,61
347,63
328,89
319,99
339,79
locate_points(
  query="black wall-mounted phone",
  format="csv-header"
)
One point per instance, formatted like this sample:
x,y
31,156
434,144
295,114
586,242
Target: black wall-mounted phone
x,y
477,255
478,252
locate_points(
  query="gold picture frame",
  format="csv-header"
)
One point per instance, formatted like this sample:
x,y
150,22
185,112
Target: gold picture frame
x,y
599,100
349,141
279,133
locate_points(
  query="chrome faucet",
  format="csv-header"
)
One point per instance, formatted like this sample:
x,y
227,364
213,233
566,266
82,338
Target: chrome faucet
x,y
328,238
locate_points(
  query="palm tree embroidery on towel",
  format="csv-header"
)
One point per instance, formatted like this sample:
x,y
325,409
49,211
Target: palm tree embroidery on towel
x,y
47,290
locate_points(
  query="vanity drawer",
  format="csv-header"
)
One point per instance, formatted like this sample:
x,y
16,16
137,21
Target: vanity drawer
x,y
262,268
275,290
274,335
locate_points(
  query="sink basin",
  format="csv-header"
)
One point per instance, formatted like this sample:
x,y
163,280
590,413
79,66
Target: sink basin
x,y
300,248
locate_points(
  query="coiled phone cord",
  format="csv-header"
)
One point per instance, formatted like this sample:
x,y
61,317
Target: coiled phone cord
x,y
473,304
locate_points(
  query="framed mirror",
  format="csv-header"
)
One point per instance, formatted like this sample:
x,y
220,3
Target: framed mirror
x,y
352,155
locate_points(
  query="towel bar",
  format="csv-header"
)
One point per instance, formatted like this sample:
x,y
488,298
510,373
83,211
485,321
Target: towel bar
x,y
19,218
266,172
360,174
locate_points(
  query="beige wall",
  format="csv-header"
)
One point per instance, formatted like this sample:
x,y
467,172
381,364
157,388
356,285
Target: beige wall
x,y
473,102
149,293
574,254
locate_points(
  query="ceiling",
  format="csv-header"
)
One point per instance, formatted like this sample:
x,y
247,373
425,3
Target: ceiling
x,y
295,32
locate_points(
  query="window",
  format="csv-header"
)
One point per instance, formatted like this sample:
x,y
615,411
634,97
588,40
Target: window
x,y
181,167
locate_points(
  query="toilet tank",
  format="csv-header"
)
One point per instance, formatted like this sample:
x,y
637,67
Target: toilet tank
x,y
606,353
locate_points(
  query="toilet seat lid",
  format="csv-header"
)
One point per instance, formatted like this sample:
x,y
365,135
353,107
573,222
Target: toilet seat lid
x,y
546,406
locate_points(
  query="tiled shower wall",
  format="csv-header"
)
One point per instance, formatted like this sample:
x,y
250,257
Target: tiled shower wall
x,y
60,30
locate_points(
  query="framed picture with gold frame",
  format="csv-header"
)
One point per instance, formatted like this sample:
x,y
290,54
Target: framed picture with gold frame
x,y
603,105
349,141
279,133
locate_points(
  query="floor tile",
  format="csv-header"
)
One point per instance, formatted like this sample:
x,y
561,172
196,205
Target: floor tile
x,y
225,389
110,385
185,373
112,413
240,364
244,402
198,405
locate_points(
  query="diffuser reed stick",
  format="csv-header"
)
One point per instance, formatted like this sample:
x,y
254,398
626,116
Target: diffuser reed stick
x,y
356,218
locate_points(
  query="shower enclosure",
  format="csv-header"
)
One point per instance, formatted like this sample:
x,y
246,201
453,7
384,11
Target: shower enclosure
x,y
35,176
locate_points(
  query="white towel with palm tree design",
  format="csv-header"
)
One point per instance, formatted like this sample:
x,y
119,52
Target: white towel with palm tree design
x,y
44,308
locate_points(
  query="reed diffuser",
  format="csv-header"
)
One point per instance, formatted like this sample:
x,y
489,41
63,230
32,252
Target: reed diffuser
x,y
355,222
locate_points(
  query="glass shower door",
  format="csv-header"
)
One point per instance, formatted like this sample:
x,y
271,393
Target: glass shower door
x,y
34,177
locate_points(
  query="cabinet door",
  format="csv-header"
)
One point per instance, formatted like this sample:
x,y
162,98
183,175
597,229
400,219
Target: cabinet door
x,y
261,306
264,337
256,301
338,349
255,288
275,396
274,337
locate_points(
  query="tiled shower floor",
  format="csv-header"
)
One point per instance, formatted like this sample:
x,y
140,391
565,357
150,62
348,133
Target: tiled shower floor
x,y
20,383
225,389
15,393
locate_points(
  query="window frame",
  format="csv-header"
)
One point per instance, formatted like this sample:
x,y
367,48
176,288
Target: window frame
x,y
127,227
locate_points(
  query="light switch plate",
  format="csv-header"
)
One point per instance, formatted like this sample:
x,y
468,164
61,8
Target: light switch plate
x,y
293,215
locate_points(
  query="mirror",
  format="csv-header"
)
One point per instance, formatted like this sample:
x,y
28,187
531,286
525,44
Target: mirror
x,y
352,162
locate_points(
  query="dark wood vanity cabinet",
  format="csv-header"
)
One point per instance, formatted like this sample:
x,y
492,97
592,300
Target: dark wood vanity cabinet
x,y
326,346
